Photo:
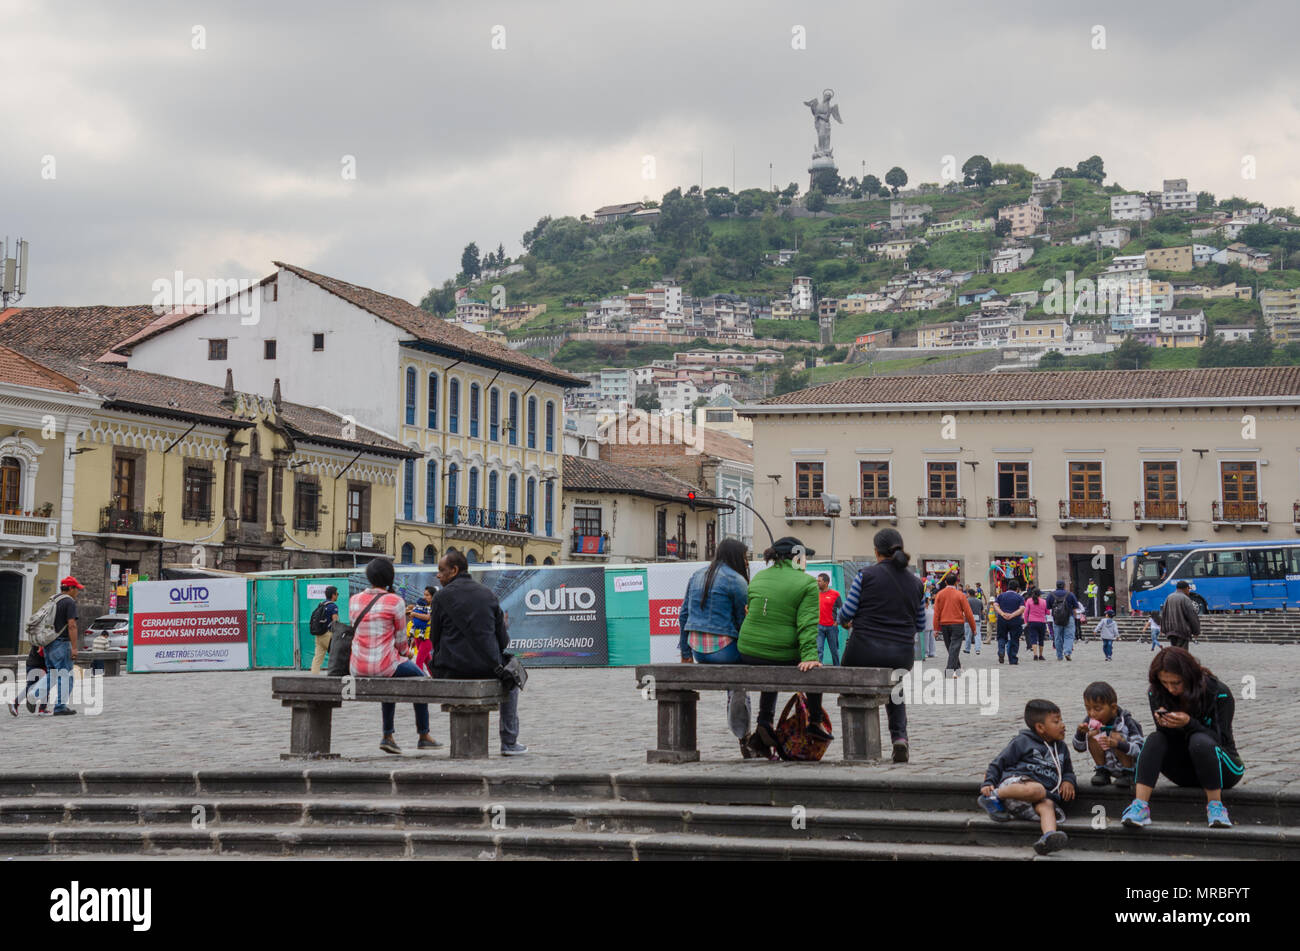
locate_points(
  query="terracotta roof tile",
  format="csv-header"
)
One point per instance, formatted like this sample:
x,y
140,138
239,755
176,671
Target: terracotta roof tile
x,y
1065,385
71,333
595,475
22,371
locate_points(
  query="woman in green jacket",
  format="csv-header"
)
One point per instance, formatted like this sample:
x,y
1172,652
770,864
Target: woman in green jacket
x,y
780,629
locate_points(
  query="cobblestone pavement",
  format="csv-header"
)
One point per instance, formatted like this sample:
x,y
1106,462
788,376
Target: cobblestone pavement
x,y
597,720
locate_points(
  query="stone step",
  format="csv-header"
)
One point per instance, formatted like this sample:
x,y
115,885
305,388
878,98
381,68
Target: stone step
x,y
263,841
821,786
956,828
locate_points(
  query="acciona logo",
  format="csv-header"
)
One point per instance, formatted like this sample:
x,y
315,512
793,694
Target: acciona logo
x,y
561,600
77,904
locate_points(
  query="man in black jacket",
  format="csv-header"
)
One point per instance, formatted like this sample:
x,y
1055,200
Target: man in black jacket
x,y
468,632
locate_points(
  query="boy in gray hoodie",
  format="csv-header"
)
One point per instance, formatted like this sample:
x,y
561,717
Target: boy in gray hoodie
x,y
1032,776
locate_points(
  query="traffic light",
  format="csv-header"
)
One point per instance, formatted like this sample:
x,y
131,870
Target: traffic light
x,y
690,500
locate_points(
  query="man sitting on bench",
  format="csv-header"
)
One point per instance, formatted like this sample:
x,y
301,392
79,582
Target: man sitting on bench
x,y
468,631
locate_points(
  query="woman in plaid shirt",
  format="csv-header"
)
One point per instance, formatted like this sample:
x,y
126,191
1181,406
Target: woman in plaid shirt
x,y
380,647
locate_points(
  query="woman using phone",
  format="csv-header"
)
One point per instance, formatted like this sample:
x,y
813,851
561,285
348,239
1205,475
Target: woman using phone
x,y
1193,744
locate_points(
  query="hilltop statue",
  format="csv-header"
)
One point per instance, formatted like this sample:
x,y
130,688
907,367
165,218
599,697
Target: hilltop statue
x,y
822,112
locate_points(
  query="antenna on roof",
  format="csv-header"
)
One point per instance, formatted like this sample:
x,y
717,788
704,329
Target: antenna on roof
x,y
13,273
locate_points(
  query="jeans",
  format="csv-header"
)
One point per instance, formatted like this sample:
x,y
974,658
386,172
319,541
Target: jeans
x,y
767,701
508,713
1063,638
387,710
973,635
953,635
1155,638
861,651
1009,640
1107,646
737,700
58,660
829,634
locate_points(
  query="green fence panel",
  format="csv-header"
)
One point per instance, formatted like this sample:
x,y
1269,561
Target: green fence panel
x,y
311,592
627,616
273,622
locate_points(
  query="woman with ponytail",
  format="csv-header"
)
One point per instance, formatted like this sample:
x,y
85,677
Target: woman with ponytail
x,y
884,610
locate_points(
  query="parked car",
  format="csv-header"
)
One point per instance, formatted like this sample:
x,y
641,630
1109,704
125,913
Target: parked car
x,y
117,626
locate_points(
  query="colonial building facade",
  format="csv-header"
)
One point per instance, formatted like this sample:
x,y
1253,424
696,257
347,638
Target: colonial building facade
x,y
1040,476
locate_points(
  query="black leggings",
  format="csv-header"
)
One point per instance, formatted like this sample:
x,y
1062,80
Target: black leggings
x,y
862,651
1194,760
767,701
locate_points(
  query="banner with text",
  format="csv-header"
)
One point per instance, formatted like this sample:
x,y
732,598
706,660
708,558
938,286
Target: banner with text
x,y
191,624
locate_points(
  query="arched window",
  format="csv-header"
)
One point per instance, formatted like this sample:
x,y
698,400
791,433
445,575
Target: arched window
x,y
408,554
512,495
408,490
530,560
492,481
530,503
11,479
453,406
494,414
548,560
513,419
431,491
430,555
473,495
410,396
453,473
532,422
473,410
550,426
433,401
550,507
471,556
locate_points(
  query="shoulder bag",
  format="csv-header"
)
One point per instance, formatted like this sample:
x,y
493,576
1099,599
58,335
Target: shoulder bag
x,y
341,636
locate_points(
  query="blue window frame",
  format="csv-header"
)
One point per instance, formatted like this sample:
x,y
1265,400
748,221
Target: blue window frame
x,y
513,420
512,494
550,426
473,410
408,491
494,414
453,476
550,507
530,501
431,492
408,554
453,406
433,401
532,422
473,492
410,396
492,480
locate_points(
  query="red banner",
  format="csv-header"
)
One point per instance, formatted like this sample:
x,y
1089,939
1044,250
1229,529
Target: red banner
x,y
191,627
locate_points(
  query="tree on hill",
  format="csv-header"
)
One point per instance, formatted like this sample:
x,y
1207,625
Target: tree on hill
x,y
1052,360
978,171
788,382
1131,354
871,185
648,402
1204,201
1002,227
816,201
719,205
681,222
534,232
469,261
440,301
895,178
1092,169
1014,173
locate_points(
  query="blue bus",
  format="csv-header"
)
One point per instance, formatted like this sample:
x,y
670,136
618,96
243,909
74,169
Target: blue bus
x,y
1224,576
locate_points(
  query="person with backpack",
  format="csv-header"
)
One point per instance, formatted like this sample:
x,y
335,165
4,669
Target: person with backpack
x,y
1061,605
319,626
54,629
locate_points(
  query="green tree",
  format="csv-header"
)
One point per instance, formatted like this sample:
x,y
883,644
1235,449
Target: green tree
x,y
440,301
469,261
1002,227
1052,360
978,171
648,402
871,185
534,232
1131,354
1204,201
719,205
682,221
895,178
788,382
1092,168
816,201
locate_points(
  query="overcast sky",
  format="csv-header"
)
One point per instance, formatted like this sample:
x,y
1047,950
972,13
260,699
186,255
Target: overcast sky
x,y
215,161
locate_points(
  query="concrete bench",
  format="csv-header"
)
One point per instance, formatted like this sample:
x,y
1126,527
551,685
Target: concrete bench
x,y
113,661
313,699
862,691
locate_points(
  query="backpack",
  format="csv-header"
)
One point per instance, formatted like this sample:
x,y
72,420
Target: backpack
x,y
317,624
1061,612
40,626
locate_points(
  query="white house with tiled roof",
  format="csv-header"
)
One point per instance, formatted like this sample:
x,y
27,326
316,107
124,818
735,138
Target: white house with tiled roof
x,y
489,420
1039,470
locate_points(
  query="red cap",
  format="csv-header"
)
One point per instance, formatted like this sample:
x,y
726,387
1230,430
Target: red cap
x,y
71,582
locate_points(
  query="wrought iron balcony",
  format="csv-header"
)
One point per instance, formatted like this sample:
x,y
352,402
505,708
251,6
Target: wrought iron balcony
x,y
1239,514
1159,513
676,548
1084,511
805,508
873,508
197,515
1012,510
117,521
940,510
464,516
373,542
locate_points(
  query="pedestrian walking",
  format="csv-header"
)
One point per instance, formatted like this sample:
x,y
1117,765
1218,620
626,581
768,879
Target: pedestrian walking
x,y
1035,623
380,647
711,615
1179,618
1153,627
952,618
884,611
61,653
319,626
1010,608
828,631
976,633
1061,605
1107,631
469,634
35,673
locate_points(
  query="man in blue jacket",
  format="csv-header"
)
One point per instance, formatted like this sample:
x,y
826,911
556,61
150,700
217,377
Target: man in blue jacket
x,y
1061,605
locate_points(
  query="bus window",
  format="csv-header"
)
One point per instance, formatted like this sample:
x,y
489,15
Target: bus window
x,y
1151,569
1293,568
1268,564
1215,564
